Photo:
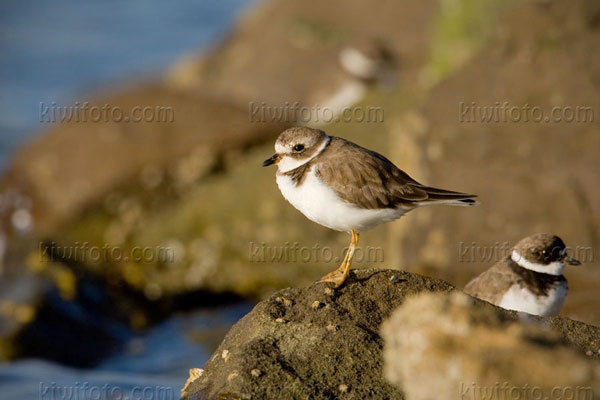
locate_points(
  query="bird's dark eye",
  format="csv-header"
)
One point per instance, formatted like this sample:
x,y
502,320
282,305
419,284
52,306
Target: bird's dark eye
x,y
298,148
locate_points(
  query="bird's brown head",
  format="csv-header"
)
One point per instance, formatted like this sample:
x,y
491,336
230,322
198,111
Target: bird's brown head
x,y
542,250
296,146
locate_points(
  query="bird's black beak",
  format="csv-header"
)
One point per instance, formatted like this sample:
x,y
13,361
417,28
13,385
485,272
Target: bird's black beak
x,y
273,160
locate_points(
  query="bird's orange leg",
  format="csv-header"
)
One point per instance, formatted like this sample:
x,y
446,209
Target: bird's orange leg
x,y
338,276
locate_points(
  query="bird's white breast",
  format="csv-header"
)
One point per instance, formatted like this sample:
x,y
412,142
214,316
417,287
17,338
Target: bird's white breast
x,y
319,203
522,299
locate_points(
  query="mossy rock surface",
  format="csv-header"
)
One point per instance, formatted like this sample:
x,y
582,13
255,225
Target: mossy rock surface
x,y
318,343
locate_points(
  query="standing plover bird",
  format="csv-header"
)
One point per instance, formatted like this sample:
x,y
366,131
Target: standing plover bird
x,y
346,187
530,279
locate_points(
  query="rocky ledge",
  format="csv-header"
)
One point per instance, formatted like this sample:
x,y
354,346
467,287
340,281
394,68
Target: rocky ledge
x,y
319,343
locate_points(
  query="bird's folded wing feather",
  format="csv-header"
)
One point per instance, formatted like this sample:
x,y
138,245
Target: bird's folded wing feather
x,y
492,284
370,180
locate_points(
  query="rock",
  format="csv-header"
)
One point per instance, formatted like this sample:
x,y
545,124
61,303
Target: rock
x,y
69,314
77,323
336,351
321,352
195,373
470,349
60,182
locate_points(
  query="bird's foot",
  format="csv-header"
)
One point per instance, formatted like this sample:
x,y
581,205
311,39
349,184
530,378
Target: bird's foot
x,y
337,277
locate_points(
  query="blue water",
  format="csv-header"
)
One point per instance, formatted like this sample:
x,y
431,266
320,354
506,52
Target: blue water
x,y
153,366
61,50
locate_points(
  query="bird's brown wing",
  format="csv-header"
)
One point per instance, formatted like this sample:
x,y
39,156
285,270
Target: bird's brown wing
x,y
371,181
493,283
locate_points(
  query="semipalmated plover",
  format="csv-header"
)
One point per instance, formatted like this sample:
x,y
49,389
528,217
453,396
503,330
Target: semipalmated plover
x,y
346,187
530,279
367,60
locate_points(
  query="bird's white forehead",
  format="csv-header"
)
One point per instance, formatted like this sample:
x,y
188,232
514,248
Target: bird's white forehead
x,y
279,148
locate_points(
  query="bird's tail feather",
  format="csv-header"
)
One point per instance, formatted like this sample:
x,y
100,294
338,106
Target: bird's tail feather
x,y
442,196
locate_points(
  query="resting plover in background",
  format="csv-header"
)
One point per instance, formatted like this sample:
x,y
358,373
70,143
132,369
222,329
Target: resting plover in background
x,y
530,280
369,60
345,187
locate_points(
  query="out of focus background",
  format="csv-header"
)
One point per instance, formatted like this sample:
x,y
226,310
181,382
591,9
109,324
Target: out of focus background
x,y
137,224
